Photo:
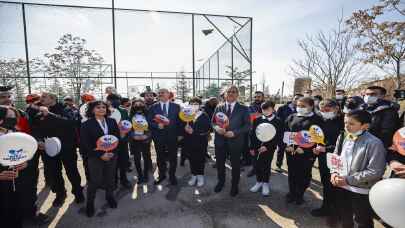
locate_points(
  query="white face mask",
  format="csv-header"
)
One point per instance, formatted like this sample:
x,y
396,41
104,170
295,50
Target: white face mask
x,y
303,111
357,133
370,99
328,115
339,97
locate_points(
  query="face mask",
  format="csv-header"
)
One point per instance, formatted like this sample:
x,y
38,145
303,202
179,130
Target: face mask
x,y
303,111
195,107
370,99
339,97
328,115
357,133
267,113
9,123
138,109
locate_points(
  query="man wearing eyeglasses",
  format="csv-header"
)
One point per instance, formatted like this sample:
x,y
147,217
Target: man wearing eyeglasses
x,y
230,139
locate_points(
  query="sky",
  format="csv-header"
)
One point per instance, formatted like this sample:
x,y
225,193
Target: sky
x,y
160,42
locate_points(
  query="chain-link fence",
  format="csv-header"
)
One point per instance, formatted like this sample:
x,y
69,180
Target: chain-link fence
x,y
75,49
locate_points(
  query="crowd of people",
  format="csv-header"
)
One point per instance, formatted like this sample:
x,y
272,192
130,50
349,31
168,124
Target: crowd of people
x,y
358,128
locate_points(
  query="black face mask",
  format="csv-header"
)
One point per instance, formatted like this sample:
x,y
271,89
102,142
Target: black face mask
x,y
9,123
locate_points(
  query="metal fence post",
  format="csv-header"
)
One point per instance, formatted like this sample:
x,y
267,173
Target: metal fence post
x,y
113,36
27,60
193,51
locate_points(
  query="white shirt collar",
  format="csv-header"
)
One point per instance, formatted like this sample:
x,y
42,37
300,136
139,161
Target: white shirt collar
x,y
232,104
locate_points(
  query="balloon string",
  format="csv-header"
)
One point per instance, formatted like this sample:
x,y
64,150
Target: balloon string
x,y
13,179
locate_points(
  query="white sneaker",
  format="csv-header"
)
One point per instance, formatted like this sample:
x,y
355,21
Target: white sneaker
x,y
200,180
192,181
256,187
266,189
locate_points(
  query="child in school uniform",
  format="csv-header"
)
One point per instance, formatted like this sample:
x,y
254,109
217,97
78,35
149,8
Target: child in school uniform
x,y
264,151
363,156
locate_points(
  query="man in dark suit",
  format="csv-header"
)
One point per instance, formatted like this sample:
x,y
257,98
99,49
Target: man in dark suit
x,y
231,139
165,137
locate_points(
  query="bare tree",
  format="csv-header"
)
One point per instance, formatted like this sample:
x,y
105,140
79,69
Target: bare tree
x,y
330,60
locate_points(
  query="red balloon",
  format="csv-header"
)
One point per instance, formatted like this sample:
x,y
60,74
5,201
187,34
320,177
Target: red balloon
x,y
107,143
221,119
160,119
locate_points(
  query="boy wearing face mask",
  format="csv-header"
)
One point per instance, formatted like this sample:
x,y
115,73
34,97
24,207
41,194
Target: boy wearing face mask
x,y
384,114
140,143
263,152
300,159
364,157
333,120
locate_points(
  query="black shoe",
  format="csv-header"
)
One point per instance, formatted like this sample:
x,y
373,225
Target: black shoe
x,y
160,180
320,212
40,219
126,184
79,198
214,166
90,209
173,181
234,191
299,201
59,200
251,173
289,198
279,169
182,163
141,179
219,187
112,203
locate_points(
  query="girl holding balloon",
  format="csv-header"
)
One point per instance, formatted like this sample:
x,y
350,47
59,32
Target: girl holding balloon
x,y
300,155
140,139
262,148
99,138
196,142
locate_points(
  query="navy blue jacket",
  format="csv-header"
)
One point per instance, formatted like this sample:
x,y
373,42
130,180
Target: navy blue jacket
x,y
168,133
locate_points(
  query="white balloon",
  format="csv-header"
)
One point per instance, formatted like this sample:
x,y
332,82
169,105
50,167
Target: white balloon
x,y
115,114
52,146
265,132
16,148
387,198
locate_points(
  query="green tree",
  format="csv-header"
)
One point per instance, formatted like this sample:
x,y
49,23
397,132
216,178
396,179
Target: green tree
x,y
182,88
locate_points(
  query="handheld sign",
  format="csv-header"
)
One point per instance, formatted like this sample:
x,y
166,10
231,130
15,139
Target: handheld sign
x,y
52,146
399,141
115,114
221,119
303,139
161,119
289,138
317,135
107,143
265,132
125,126
336,164
187,114
16,148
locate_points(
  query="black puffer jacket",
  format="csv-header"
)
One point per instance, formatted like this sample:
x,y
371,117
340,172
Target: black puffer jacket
x,y
385,121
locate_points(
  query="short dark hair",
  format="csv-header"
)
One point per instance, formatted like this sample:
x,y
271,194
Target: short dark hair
x,y
308,90
318,97
340,90
307,100
92,104
268,104
195,100
328,103
298,95
113,97
361,116
382,90
124,100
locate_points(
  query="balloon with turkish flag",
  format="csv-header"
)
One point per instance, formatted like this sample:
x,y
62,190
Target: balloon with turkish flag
x,y
303,139
254,116
221,119
187,114
399,141
161,119
107,143
125,126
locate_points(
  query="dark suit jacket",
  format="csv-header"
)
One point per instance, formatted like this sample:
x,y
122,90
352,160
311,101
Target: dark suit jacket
x,y
170,132
239,123
91,131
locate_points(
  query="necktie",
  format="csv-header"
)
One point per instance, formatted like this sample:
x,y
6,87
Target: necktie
x,y
164,109
229,110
